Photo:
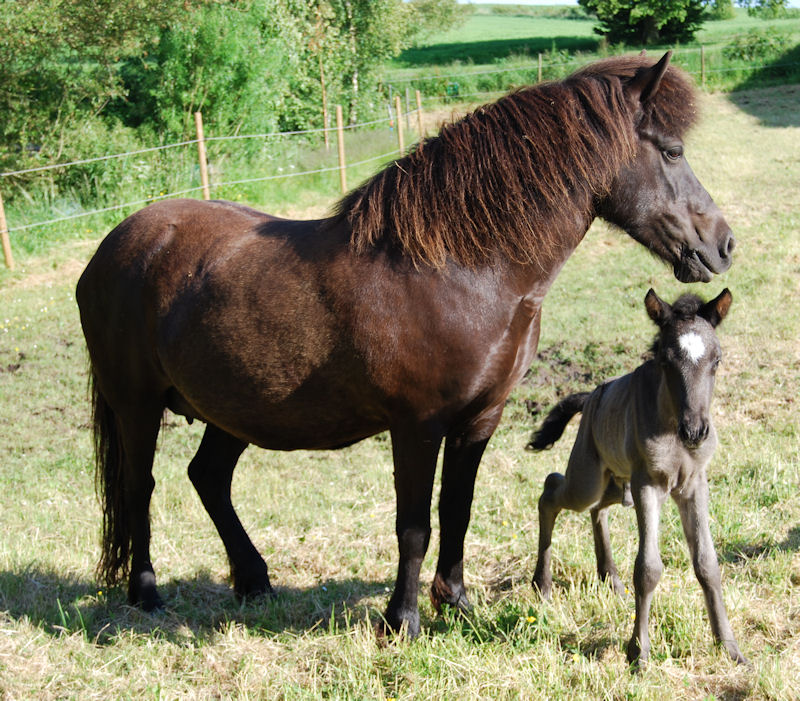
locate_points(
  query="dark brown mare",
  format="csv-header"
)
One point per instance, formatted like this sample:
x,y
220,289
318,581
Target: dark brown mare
x,y
415,308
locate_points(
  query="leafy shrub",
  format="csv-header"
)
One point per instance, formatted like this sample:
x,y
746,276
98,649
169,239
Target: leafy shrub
x,y
757,45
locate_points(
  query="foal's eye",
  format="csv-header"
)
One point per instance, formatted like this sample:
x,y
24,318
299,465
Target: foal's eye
x,y
674,153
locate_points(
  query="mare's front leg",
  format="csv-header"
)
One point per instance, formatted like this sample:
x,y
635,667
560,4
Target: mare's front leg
x,y
583,485
415,450
211,472
648,498
694,517
463,451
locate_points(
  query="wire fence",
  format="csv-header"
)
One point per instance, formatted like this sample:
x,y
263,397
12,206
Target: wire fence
x,y
441,86
698,61
395,119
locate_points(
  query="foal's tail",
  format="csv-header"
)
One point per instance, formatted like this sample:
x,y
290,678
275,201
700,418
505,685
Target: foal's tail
x,y
557,420
113,565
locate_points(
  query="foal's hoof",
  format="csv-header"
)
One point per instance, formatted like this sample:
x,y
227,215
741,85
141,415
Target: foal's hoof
x,y
542,586
443,595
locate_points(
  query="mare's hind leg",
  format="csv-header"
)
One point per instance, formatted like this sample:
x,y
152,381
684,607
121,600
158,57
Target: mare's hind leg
x,y
694,516
415,450
462,455
606,569
139,432
211,472
582,486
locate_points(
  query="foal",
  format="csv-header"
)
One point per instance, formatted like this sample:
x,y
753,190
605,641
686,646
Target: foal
x,y
647,434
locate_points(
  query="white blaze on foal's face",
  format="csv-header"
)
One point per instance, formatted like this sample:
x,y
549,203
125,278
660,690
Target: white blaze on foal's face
x,y
692,345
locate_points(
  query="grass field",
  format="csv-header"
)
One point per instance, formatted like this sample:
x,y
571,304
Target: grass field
x,y
324,521
493,51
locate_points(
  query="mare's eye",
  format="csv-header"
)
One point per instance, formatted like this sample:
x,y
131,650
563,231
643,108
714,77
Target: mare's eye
x,y
674,153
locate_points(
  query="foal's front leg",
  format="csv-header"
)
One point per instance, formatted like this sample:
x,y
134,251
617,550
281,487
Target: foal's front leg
x,y
648,498
694,517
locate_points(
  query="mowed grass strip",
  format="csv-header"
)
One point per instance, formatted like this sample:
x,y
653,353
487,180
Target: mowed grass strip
x,y
325,521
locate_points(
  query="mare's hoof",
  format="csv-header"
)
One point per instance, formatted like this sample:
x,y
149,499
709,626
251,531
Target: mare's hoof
x,y
398,625
142,592
253,584
443,595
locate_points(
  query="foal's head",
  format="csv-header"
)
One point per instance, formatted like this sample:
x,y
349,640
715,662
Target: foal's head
x,y
688,353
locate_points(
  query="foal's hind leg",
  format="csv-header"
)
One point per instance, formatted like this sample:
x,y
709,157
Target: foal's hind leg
x,y
606,569
583,485
211,472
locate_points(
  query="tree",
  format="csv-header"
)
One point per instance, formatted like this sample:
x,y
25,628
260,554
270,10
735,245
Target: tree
x,y
766,9
642,22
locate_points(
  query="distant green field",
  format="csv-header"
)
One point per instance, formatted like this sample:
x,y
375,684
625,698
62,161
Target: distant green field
x,y
497,49
485,38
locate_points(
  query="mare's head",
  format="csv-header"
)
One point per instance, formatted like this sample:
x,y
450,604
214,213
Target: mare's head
x,y
656,197
688,353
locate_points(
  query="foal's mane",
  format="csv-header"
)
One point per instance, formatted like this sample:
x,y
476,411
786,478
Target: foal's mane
x,y
511,177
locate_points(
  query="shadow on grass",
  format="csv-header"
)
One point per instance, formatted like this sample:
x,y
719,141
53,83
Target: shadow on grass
x,y
480,52
196,609
740,552
771,108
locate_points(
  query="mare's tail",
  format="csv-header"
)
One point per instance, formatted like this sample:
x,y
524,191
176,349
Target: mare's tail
x,y
108,452
557,420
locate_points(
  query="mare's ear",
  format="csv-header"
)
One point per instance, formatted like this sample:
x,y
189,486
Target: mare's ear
x,y
657,309
644,85
716,310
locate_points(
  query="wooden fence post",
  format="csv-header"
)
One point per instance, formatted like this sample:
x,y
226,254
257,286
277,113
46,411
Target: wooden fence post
x,y
4,235
398,108
324,105
702,65
340,139
540,68
201,153
408,109
419,115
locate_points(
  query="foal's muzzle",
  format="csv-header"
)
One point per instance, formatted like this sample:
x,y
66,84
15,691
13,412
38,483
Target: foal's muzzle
x,y
693,436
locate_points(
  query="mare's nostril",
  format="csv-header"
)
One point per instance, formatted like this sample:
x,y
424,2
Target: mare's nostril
x,y
727,246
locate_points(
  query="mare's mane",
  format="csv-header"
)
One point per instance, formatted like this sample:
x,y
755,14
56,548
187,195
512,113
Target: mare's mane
x,y
511,177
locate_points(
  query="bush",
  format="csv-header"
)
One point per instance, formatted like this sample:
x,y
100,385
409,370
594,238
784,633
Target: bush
x,y
757,45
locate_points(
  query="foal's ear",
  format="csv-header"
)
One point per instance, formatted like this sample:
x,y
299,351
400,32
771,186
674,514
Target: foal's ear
x,y
716,310
644,84
657,309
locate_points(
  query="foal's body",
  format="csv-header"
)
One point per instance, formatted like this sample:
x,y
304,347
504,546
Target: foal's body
x,y
650,430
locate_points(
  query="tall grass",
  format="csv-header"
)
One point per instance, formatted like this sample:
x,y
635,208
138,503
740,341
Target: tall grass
x,y
325,521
